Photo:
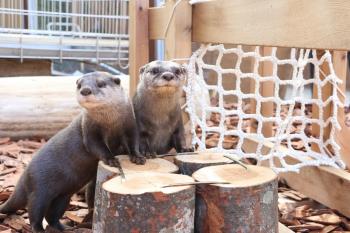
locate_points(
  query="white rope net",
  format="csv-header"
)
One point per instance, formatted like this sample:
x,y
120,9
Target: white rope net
x,y
224,126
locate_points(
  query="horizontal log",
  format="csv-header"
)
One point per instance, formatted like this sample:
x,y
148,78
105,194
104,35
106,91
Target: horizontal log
x,y
37,107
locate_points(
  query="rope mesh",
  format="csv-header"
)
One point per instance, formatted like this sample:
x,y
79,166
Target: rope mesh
x,y
284,118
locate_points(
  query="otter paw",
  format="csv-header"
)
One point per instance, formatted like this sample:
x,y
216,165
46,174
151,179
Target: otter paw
x,y
184,150
140,160
113,162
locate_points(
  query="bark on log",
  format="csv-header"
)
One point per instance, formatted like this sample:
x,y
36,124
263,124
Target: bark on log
x,y
188,164
141,204
248,204
105,173
38,107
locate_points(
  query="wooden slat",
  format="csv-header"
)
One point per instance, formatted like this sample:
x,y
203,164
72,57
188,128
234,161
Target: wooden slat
x,y
327,185
322,24
157,20
327,110
139,42
178,39
340,64
267,91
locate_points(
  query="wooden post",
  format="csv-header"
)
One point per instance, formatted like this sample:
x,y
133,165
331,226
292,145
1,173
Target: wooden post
x,y
267,91
247,204
139,42
105,173
141,203
188,164
340,64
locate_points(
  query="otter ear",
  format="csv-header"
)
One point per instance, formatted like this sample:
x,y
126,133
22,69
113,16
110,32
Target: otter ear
x,y
116,80
183,69
142,69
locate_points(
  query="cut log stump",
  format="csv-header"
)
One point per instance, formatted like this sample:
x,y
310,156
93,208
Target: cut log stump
x,y
248,204
188,164
105,173
142,204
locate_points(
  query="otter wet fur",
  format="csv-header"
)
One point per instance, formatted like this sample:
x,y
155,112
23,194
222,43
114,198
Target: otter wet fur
x,y
157,108
68,161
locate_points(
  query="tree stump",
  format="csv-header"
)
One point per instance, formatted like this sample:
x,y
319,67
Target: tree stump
x,y
142,204
188,164
105,172
248,204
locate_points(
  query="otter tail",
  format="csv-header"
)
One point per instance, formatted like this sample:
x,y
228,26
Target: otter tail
x,y
17,200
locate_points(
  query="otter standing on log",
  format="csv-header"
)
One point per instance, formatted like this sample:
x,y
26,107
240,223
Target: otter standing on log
x,y
68,161
157,108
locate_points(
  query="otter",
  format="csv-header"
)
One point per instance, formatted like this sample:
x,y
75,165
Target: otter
x,y
157,108
68,161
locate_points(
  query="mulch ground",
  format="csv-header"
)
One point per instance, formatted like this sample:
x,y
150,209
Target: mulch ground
x,y
298,212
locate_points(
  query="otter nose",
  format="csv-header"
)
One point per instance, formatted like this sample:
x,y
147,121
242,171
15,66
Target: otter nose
x,y
168,77
85,91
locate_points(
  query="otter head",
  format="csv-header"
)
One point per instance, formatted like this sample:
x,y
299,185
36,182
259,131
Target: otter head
x,y
99,89
163,77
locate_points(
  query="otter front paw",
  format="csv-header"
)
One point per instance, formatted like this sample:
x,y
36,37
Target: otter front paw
x,y
114,162
140,160
184,150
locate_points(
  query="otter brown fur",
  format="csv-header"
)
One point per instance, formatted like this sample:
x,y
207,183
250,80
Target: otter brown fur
x,y
68,161
157,108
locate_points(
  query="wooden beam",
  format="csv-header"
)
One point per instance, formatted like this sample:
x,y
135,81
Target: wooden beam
x,y
327,185
139,42
267,91
157,20
322,24
178,39
340,63
13,67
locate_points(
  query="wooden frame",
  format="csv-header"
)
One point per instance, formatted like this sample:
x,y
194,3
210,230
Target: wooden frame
x,y
290,23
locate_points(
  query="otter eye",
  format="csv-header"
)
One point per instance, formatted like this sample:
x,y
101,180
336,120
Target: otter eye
x,y
116,81
155,70
101,84
177,71
78,86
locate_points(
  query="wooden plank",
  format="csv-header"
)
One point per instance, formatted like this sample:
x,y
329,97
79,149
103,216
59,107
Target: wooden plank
x,y
139,42
157,20
283,229
340,64
285,23
13,67
178,39
327,185
327,110
267,91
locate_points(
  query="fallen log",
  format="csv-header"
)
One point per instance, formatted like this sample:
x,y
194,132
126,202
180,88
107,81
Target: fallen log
x,y
188,164
38,107
248,204
142,204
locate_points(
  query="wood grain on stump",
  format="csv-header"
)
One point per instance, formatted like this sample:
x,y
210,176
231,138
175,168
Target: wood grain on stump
x,y
190,163
105,173
248,204
142,204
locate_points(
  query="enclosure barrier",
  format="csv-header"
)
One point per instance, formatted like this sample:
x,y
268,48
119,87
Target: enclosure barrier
x,y
245,22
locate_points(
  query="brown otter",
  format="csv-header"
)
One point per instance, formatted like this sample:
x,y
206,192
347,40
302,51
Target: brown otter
x,y
157,108
68,161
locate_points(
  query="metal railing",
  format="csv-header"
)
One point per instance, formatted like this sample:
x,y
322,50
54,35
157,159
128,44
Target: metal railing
x,y
65,29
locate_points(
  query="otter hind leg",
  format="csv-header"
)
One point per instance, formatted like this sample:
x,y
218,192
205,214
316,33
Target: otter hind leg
x,y
38,204
56,210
